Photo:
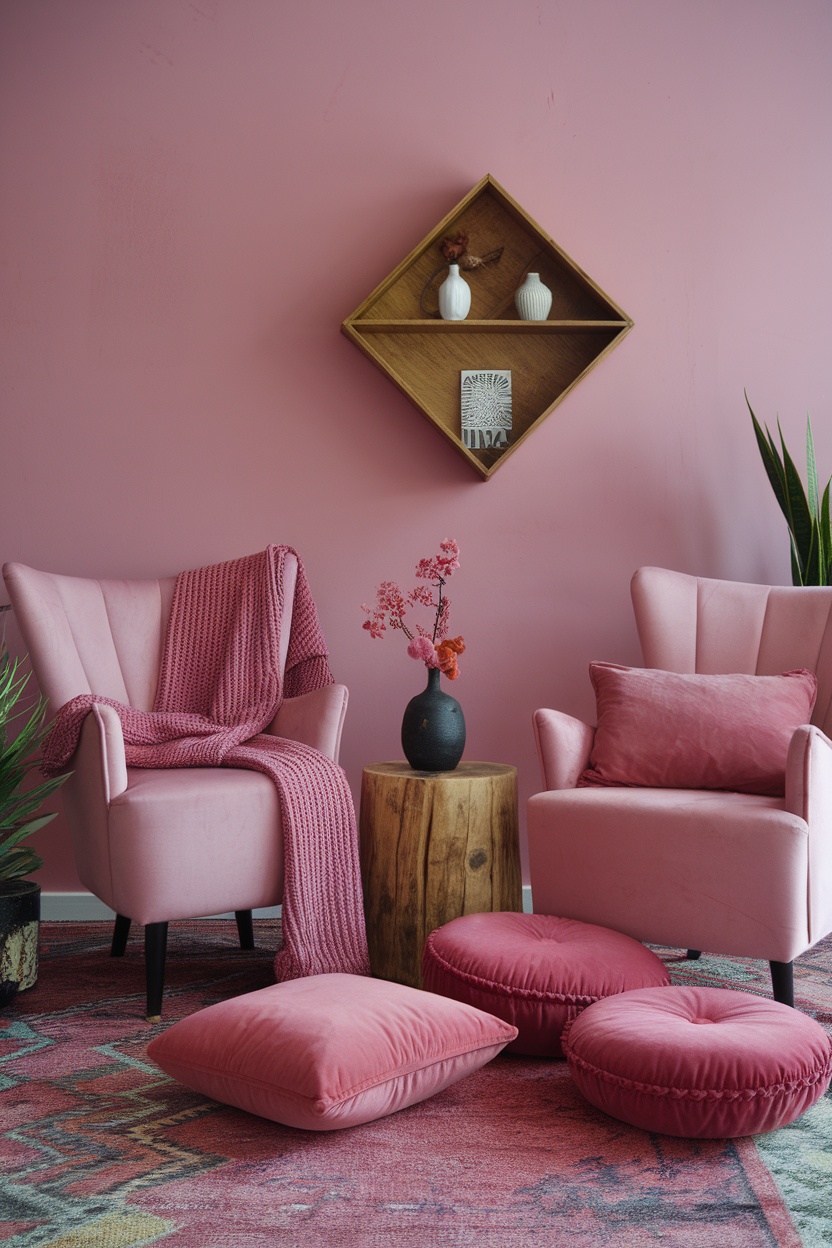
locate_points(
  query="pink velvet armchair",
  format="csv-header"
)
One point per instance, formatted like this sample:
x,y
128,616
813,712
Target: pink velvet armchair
x,y
156,845
734,873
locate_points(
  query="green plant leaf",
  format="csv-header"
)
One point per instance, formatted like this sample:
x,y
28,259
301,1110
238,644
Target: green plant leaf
x,y
798,515
23,722
20,833
811,471
825,533
771,462
19,862
21,805
810,539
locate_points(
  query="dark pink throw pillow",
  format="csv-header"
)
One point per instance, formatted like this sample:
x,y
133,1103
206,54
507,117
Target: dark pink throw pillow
x,y
680,730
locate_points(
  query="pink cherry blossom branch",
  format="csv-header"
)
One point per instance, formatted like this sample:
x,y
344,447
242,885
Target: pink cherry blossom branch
x,y
391,606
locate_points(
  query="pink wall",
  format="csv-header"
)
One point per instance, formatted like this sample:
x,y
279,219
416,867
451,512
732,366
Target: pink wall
x,y
196,194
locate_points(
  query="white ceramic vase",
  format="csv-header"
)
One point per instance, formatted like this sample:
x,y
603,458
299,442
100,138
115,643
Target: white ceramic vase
x,y
454,296
533,300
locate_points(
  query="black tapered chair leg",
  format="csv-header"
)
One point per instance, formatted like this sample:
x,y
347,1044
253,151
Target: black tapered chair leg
x,y
782,982
693,954
245,927
155,947
121,931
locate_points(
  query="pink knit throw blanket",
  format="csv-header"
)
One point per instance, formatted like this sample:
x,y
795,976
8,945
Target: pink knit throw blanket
x,y
219,688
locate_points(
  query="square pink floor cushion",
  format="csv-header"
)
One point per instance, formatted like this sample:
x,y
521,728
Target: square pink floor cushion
x,y
329,1051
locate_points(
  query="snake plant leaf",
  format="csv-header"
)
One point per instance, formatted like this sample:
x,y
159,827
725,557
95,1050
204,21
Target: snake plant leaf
x,y
808,520
825,534
811,470
771,461
798,515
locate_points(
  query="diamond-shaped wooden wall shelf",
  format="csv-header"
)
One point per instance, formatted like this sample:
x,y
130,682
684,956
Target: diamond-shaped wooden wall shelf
x,y
399,328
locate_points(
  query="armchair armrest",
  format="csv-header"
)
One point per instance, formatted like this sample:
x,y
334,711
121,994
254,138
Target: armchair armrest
x,y
98,775
316,719
809,795
809,775
100,751
563,747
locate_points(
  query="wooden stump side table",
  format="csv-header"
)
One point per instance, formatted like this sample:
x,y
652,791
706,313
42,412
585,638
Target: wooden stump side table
x,y
434,845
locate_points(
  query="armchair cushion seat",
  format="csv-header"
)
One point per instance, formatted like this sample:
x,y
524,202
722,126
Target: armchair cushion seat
x,y
230,816
723,871
536,971
705,1063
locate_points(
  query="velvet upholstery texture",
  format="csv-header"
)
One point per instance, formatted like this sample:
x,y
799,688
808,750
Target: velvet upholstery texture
x,y
745,874
698,1062
329,1051
536,971
683,730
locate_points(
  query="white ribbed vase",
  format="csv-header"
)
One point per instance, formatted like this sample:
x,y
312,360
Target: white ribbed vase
x,y
454,296
533,300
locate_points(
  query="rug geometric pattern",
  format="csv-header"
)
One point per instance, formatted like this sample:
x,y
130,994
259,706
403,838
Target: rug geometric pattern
x,y
99,1149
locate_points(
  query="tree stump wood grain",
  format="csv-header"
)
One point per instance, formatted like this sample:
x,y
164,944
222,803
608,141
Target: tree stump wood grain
x,y
434,845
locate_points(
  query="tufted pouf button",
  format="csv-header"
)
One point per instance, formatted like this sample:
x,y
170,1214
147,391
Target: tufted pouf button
x,y
535,971
640,1058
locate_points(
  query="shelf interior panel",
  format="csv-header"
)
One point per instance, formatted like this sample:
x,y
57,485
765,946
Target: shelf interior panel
x,y
427,367
489,226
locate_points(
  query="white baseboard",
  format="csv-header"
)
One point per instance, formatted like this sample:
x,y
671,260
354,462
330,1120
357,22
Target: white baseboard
x,y
84,908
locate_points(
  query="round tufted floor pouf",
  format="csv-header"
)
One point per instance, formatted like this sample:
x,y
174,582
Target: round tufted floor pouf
x,y
706,1063
535,971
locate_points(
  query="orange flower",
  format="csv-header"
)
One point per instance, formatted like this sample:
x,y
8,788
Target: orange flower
x,y
446,652
454,643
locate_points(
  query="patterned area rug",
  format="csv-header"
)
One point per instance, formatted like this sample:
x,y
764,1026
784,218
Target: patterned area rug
x,y
100,1149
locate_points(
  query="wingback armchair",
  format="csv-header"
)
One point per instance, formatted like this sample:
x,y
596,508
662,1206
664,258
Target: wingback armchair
x,y
157,845
737,873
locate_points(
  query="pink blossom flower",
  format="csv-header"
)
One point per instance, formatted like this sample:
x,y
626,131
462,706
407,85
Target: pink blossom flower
x,y
423,648
421,594
391,600
442,565
426,644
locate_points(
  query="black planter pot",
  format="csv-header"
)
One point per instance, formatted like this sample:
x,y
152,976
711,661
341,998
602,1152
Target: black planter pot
x,y
433,729
19,925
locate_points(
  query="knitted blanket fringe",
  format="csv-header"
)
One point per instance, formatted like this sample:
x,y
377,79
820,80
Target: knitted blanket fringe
x,y
219,688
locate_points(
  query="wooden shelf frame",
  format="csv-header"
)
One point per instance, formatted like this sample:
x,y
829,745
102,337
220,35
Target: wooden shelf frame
x,y
423,356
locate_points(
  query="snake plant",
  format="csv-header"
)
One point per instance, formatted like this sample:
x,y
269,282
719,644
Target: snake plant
x,y
806,511
19,747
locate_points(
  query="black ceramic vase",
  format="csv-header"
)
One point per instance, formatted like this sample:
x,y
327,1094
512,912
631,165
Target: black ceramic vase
x,y
433,728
